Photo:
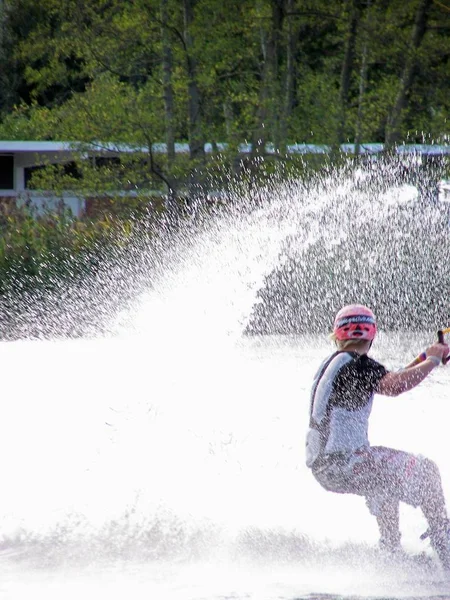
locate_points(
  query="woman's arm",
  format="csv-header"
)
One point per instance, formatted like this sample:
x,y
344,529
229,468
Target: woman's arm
x,y
395,383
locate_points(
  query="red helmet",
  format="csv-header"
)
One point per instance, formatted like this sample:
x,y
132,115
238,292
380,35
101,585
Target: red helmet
x,y
355,322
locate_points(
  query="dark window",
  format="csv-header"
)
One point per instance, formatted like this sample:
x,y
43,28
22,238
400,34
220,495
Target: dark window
x,y
67,169
107,161
6,172
28,174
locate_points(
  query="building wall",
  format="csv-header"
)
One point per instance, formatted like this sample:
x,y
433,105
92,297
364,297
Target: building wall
x,y
13,190
42,203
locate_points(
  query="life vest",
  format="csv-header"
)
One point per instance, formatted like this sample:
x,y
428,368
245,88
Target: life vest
x,y
341,403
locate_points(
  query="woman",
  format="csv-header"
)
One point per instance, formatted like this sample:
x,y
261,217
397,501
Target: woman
x,y
337,445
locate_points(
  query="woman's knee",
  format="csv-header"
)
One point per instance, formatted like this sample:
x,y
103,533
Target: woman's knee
x,y
430,478
430,470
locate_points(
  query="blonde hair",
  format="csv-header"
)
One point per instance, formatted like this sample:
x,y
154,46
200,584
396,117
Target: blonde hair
x,y
344,344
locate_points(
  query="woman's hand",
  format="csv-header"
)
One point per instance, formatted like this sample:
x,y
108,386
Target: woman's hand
x,y
439,350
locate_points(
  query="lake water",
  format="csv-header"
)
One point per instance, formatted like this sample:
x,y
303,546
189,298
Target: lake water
x,y
131,471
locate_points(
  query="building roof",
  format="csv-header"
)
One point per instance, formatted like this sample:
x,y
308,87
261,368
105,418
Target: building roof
x,y
14,146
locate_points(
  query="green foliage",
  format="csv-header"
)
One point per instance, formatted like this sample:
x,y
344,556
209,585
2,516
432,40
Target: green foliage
x,y
29,122
40,252
316,112
92,71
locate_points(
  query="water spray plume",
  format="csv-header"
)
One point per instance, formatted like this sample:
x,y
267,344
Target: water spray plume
x,y
161,422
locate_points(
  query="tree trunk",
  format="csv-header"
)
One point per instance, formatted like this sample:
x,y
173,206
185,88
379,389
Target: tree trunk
x,y
196,141
363,79
420,27
347,67
2,24
167,82
196,192
289,79
266,118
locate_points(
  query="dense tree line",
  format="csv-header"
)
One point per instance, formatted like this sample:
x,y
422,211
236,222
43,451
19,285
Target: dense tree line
x,y
142,72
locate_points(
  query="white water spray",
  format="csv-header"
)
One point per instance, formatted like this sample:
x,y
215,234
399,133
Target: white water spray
x,y
178,438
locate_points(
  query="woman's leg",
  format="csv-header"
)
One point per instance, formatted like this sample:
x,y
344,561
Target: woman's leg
x,y
385,477
434,510
362,474
400,476
388,520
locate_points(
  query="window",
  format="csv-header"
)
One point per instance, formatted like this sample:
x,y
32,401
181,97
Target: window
x,y
69,168
6,172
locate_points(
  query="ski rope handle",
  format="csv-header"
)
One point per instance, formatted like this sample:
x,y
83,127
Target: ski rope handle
x,y
440,334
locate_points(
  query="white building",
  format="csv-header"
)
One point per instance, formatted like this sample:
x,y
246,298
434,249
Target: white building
x,y
17,160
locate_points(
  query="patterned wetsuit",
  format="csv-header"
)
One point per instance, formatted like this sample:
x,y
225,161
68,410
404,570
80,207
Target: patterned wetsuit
x,y
342,460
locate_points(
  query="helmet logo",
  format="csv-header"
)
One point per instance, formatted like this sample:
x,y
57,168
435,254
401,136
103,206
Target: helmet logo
x,y
355,319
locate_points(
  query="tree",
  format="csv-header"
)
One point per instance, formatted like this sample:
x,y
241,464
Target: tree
x,y
393,132
167,74
277,71
354,9
266,120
